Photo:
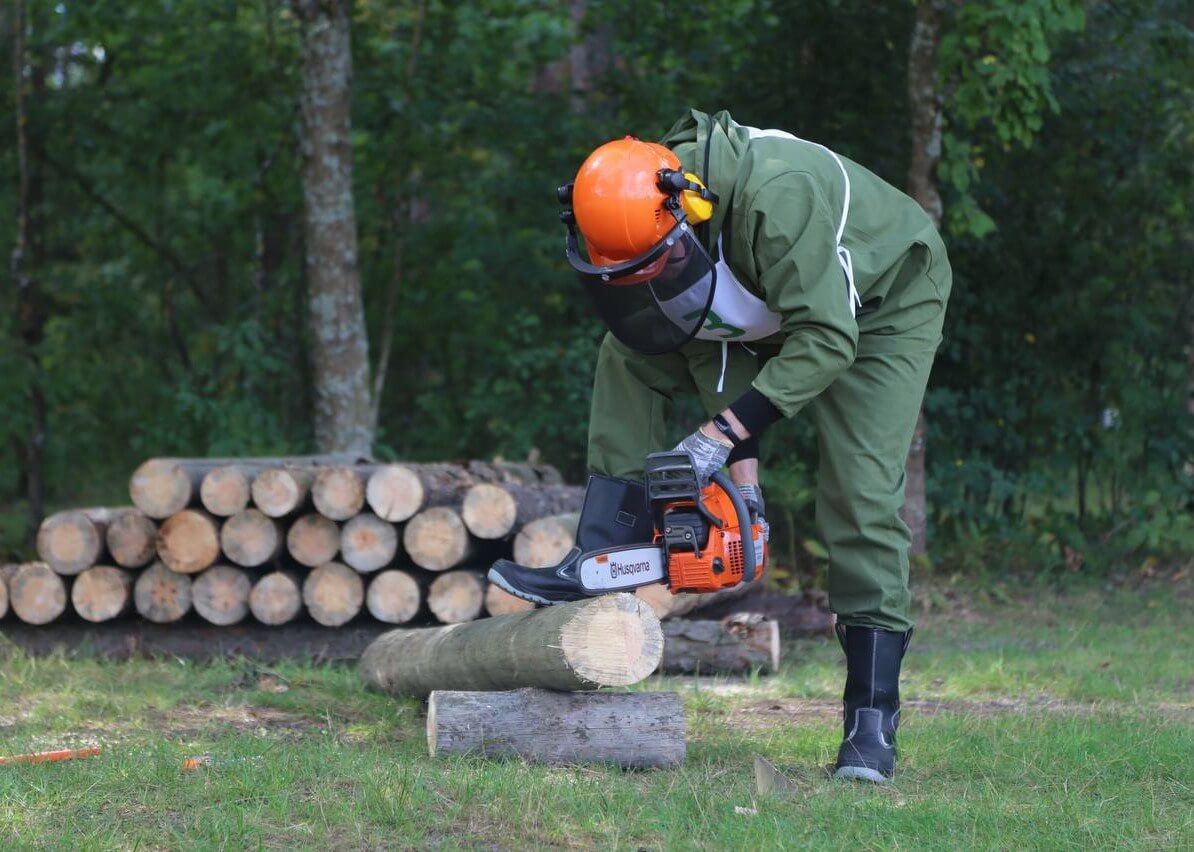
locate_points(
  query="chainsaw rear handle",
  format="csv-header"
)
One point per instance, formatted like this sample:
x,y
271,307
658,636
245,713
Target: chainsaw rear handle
x,y
744,524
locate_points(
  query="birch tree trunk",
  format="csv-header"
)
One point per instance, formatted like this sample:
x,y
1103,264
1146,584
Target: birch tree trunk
x,y
339,346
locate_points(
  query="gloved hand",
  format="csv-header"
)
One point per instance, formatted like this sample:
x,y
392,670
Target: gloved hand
x,y
753,495
708,454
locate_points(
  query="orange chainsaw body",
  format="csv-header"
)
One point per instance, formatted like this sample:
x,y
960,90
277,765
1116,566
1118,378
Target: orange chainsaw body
x,y
719,563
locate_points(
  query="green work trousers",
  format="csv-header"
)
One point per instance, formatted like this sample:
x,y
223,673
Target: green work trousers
x,y
864,419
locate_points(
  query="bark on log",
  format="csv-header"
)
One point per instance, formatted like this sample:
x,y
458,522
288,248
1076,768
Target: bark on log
x,y
667,605
36,593
226,490
102,593
277,598
396,492
493,511
161,595
543,543
333,594
515,473
738,644
630,729
456,596
189,541
221,595
249,538
393,597
131,539
282,491
613,640
437,539
71,542
339,492
500,602
368,543
313,540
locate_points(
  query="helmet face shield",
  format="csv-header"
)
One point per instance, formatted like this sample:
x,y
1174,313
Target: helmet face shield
x,y
657,302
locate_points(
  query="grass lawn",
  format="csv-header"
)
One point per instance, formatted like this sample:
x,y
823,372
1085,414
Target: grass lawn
x,y
1066,722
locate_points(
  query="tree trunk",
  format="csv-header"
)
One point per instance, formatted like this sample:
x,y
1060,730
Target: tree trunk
x,y
189,541
277,598
130,539
36,593
738,644
630,729
226,490
221,595
613,640
367,543
71,542
102,593
456,596
925,102
333,594
161,595
250,539
340,350
437,539
313,540
393,597
496,511
544,542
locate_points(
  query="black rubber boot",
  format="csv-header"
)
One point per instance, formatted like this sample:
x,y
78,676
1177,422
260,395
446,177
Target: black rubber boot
x,y
614,513
871,701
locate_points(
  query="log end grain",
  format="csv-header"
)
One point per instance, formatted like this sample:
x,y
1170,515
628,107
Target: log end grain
x,y
161,595
436,539
130,538
278,492
395,493
36,593
543,543
189,541
277,598
250,538
368,543
3,596
615,641
338,492
334,594
313,540
221,595
69,542
500,602
160,488
489,511
456,596
393,597
102,593
225,490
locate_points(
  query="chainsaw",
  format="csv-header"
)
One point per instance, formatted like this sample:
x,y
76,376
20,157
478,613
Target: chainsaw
x,y
704,540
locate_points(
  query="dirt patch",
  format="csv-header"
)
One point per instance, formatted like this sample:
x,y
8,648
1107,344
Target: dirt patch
x,y
200,719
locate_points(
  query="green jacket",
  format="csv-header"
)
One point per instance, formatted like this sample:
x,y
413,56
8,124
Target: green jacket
x,y
780,210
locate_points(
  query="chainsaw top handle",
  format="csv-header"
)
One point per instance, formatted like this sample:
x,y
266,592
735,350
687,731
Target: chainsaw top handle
x,y
744,524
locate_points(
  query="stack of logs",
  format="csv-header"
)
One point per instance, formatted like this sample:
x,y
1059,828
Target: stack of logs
x,y
270,538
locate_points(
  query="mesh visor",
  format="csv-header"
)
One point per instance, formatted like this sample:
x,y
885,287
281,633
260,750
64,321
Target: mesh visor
x,y
656,303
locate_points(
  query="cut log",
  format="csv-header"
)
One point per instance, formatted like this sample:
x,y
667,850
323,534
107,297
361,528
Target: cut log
x,y
515,473
161,595
338,492
500,602
277,598
630,729
279,492
545,542
249,538
496,511
367,543
313,540
189,541
221,595
738,644
456,596
613,640
225,490
71,542
130,538
667,605
163,486
102,593
3,596
396,492
333,594
437,539
36,593
393,597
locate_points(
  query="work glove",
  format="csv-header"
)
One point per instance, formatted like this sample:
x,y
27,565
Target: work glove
x,y
753,495
708,454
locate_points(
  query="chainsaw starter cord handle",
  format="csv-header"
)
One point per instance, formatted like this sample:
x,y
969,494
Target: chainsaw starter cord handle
x,y
744,524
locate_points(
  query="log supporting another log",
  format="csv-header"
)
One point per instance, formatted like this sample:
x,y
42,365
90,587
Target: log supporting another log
x,y
630,729
333,594
161,595
313,540
250,538
456,596
368,543
189,541
225,490
279,492
102,593
492,511
614,640
71,542
130,539
339,492
738,644
543,543
36,593
277,598
221,595
437,539
393,597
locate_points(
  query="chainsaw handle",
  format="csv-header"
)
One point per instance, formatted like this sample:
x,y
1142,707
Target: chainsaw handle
x,y
744,524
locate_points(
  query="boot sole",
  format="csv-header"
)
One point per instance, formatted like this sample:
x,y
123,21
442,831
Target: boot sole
x,y
505,586
861,773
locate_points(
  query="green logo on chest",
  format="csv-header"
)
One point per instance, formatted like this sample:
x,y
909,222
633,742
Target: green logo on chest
x,y
714,323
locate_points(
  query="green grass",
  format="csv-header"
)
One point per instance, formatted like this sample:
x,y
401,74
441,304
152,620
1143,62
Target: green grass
x,y
1060,723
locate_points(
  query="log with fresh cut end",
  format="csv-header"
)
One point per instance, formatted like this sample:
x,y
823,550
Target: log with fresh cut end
x,y
70,542
277,598
161,595
339,492
456,596
437,539
334,594
493,511
543,543
368,543
630,729
36,593
102,593
613,640
189,541
282,491
250,538
221,595
313,540
131,539
393,597
225,490
738,644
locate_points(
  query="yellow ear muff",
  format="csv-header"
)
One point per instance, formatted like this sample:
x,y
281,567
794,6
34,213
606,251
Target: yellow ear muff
x,y
696,208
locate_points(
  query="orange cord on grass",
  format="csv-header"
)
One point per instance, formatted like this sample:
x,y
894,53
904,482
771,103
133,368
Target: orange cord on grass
x,y
51,756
